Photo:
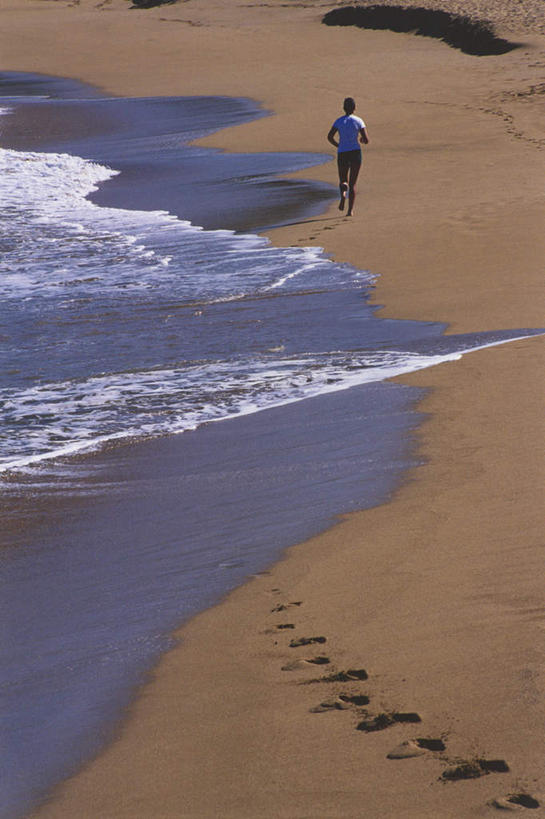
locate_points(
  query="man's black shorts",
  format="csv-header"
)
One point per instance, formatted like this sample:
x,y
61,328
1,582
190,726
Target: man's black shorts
x,y
349,159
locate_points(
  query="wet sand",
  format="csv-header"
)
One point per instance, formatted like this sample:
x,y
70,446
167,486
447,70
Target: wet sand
x,y
438,594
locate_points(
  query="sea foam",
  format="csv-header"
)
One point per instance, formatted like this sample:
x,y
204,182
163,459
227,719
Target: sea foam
x,y
115,321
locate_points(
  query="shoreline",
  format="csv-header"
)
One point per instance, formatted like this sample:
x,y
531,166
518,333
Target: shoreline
x,y
177,736
462,447
161,483
206,536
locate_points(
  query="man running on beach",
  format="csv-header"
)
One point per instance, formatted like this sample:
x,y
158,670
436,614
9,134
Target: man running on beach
x,y
349,128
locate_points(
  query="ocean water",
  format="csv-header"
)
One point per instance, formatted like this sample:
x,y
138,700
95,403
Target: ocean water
x,y
139,305
84,285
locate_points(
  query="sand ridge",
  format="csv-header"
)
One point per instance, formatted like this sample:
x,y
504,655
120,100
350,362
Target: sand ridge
x,y
430,606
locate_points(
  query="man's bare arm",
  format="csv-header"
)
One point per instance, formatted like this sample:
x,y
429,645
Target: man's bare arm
x,y
363,136
331,137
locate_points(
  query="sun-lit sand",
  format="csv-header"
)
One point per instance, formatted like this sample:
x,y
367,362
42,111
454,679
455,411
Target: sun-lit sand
x,y
438,595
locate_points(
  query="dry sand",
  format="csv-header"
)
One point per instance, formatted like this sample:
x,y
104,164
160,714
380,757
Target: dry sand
x,y
438,595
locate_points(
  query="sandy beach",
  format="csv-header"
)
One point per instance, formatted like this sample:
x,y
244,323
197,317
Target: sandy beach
x,y
425,614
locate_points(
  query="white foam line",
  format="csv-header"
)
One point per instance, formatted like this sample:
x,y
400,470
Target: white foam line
x,y
370,376
283,279
380,374
74,448
500,341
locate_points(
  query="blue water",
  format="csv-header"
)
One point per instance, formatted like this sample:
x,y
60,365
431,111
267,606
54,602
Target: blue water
x,y
138,303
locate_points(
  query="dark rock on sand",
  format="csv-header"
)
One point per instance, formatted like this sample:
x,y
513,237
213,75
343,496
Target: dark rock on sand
x,y
470,36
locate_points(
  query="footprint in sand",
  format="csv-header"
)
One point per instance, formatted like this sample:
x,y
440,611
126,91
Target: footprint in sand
x,y
335,704
284,606
385,720
351,675
279,627
306,641
416,747
516,802
341,703
473,769
309,662
355,699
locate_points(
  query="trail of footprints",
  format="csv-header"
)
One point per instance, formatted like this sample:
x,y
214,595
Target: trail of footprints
x,y
456,770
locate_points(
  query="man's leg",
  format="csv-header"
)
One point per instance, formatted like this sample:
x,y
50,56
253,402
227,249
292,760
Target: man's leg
x,y
353,178
343,167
